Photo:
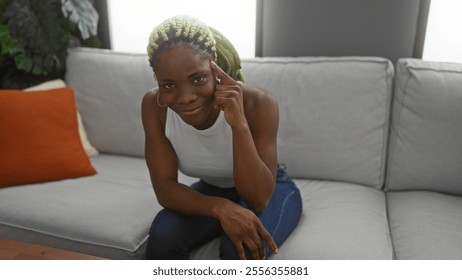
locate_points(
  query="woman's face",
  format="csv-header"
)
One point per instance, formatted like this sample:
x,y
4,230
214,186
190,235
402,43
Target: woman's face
x,y
187,85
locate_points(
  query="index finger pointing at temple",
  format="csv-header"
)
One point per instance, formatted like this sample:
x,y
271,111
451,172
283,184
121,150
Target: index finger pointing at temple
x,y
225,79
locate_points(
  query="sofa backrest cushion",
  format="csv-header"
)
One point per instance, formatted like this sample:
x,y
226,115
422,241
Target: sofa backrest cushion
x,y
426,131
109,87
334,114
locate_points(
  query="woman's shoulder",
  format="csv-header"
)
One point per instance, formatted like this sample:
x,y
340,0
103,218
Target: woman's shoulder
x,y
256,98
150,107
261,108
149,97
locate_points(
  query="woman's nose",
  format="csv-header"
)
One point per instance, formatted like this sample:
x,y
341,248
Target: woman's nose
x,y
186,95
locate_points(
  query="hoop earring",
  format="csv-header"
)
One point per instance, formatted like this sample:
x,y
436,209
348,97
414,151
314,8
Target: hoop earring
x,y
158,102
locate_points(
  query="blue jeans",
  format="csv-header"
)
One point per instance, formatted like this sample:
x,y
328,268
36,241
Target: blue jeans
x,y
174,236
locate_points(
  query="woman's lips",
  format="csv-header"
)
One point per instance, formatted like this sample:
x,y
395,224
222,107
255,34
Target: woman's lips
x,y
191,110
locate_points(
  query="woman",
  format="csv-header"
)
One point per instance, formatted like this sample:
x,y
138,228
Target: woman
x,y
205,122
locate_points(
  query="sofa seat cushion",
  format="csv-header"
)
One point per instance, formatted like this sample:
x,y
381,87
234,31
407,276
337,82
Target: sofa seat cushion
x,y
107,215
425,225
339,221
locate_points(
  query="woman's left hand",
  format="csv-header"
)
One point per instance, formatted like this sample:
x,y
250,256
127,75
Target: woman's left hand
x,y
229,97
245,230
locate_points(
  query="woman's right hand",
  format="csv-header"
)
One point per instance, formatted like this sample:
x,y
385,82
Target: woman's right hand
x,y
244,228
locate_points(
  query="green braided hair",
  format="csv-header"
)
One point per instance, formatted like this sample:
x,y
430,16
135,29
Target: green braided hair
x,y
202,39
227,57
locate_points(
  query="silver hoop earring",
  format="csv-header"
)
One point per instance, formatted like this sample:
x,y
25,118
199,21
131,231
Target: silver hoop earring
x,y
218,80
158,102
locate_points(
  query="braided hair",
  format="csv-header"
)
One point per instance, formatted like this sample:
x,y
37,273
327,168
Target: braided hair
x,y
202,39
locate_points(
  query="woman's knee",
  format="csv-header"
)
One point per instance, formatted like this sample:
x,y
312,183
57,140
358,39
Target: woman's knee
x,y
164,241
284,211
173,235
291,201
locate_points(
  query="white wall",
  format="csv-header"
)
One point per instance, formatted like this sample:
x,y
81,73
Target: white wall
x,y
131,21
443,40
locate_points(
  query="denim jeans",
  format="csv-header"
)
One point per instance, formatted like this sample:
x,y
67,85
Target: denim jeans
x,y
174,236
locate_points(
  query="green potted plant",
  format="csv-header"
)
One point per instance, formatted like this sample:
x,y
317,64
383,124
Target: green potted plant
x,y
35,36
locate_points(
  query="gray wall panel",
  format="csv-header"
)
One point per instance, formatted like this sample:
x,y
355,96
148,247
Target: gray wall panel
x,y
386,28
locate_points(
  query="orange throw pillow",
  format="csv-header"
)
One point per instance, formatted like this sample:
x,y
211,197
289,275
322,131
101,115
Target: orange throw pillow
x,y
39,138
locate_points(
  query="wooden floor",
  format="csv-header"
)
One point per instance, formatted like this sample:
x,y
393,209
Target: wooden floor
x,y
15,250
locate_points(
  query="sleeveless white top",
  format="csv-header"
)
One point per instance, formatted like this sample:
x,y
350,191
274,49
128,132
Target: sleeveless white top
x,y
204,154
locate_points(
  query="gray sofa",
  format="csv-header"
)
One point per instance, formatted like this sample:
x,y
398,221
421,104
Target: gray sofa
x,y
376,151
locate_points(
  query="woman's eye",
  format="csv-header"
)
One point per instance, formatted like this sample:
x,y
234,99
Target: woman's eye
x,y
199,80
168,86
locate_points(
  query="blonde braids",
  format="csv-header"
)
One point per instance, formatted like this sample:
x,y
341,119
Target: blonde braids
x,y
180,29
202,39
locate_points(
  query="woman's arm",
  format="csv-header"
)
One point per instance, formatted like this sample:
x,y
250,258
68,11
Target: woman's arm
x,y
254,117
163,167
255,149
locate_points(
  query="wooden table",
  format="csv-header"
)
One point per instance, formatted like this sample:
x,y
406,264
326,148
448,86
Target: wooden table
x,y
16,250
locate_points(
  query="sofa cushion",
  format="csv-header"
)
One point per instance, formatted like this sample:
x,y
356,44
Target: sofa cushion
x,y
425,225
334,124
39,138
105,215
426,132
339,221
109,87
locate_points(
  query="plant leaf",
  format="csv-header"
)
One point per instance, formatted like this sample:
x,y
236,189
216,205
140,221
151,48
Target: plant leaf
x,y
83,14
6,42
40,29
23,62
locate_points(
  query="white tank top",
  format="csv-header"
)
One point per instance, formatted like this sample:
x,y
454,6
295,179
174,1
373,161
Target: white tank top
x,y
204,154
